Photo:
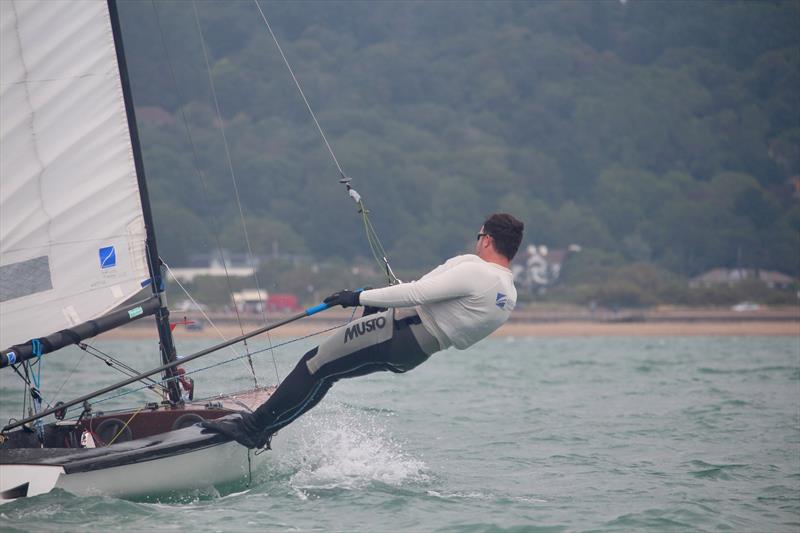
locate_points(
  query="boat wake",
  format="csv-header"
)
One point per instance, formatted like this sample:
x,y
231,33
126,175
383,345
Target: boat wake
x,y
345,448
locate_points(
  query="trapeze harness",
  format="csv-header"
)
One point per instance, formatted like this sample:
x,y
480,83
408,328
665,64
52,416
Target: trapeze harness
x,y
456,304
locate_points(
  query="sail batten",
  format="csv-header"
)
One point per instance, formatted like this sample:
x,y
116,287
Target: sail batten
x,y
70,206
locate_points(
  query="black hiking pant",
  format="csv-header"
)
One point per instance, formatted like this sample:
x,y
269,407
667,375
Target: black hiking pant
x,y
372,343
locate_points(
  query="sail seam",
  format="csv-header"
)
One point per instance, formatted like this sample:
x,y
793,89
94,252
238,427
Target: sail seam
x,y
29,81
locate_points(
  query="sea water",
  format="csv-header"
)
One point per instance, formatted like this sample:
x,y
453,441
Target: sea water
x,y
556,434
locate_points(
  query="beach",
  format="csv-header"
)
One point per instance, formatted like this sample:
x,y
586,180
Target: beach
x,y
664,322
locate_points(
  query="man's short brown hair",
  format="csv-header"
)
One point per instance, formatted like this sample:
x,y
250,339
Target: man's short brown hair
x,y
506,232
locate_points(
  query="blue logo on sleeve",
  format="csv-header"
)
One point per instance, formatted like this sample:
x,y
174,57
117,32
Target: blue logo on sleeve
x,y
500,300
108,257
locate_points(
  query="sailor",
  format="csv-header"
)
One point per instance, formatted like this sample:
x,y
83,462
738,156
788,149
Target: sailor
x,y
457,304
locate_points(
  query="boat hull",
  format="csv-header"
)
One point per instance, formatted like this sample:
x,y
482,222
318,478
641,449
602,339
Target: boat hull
x,y
196,470
174,460
182,460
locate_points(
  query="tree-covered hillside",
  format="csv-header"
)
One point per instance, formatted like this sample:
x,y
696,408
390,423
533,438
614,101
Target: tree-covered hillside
x,y
657,132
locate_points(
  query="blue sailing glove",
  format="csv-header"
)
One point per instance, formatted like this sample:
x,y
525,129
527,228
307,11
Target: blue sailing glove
x,y
344,298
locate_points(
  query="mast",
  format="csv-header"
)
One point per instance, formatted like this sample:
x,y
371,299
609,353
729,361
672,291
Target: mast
x,y
167,345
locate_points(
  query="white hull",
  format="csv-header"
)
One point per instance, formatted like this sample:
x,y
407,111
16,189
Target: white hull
x,y
40,479
175,461
199,469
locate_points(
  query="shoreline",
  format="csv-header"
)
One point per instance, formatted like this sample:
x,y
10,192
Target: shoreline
x,y
524,323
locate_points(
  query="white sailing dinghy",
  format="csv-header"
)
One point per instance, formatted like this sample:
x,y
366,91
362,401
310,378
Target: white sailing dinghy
x,y
76,245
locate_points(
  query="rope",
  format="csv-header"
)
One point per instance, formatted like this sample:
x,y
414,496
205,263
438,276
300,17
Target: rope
x,y
376,247
123,427
26,384
36,348
36,395
372,237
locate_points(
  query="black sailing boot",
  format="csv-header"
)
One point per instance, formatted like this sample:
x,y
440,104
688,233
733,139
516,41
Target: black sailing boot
x,y
239,427
250,429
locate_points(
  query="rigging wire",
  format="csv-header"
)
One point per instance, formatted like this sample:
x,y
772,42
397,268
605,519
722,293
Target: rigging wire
x,y
196,161
74,368
221,363
36,396
300,89
235,189
200,176
123,368
199,308
208,319
111,361
375,245
27,383
204,189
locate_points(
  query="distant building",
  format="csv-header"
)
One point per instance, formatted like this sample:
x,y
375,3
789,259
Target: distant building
x,y
250,300
231,259
188,274
732,276
538,267
282,303
235,265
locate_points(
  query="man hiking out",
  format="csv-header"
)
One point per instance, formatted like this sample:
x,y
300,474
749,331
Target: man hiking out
x,y
456,304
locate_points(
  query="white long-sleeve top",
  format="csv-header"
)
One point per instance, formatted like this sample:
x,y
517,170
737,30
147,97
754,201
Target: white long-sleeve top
x,y
459,302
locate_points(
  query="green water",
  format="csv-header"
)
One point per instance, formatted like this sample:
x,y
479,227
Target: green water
x,y
578,434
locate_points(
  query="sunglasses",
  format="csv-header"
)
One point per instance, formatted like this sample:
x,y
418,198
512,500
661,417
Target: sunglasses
x,y
482,235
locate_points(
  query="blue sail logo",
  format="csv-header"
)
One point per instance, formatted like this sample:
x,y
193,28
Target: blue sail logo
x,y
500,300
108,257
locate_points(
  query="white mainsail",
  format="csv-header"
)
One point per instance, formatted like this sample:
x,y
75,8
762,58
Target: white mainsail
x,y
72,234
